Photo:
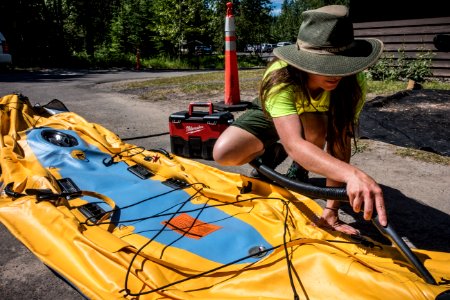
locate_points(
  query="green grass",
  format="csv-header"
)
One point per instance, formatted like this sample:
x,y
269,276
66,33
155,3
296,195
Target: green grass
x,y
201,62
391,87
164,63
419,155
212,83
202,85
361,146
423,156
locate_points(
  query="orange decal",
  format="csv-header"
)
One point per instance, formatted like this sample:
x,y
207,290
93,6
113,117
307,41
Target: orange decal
x,y
188,226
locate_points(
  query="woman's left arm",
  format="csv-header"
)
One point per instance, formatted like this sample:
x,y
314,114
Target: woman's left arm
x,y
362,190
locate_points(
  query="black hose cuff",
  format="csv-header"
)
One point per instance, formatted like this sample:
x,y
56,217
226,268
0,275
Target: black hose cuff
x,y
306,189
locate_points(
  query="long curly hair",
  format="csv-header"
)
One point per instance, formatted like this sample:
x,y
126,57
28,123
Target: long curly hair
x,y
343,101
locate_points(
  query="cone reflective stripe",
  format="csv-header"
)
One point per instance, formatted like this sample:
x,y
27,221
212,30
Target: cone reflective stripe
x,y
232,93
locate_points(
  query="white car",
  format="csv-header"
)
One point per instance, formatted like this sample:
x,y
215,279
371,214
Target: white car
x,y
281,44
5,57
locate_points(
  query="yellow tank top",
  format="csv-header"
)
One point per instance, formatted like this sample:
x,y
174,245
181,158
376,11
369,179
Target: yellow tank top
x,y
286,103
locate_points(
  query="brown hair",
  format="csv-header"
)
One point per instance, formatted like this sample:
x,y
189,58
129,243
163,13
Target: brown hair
x,y
343,101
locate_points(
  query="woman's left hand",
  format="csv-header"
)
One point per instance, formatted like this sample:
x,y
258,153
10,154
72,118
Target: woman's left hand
x,y
364,193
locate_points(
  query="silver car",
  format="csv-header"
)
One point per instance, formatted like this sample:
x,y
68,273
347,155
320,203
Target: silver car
x,y
5,57
281,44
267,47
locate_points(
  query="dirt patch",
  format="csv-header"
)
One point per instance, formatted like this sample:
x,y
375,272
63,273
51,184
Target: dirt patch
x,y
415,183
417,119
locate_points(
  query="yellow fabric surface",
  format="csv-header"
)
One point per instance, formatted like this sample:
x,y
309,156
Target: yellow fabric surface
x,y
103,261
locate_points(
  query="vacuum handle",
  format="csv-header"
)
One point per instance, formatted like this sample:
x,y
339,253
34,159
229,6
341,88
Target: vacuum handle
x,y
389,232
201,104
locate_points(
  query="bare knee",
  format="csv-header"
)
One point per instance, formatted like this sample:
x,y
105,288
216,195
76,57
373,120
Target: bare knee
x,y
235,147
226,154
222,153
315,128
317,138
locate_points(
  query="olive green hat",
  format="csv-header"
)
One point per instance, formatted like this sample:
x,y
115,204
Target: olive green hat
x,y
326,45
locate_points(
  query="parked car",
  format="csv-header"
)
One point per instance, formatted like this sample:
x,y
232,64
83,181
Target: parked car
x,y
281,44
249,48
267,47
252,48
202,49
5,57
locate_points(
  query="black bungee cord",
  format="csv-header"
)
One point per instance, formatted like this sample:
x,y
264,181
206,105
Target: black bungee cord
x,y
261,251
89,221
110,161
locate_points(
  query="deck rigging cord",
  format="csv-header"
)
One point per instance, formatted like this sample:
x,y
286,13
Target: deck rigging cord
x,y
341,194
285,242
186,230
180,206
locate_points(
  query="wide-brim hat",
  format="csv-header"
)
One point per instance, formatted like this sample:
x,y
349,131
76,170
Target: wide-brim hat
x,y
326,44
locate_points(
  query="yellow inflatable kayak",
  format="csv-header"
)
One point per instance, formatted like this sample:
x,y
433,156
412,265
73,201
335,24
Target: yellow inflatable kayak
x,y
121,222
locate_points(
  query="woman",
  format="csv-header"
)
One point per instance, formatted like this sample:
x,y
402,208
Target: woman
x,y
310,99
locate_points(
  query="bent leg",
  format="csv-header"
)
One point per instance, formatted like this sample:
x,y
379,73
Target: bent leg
x,y
245,139
314,128
236,146
330,216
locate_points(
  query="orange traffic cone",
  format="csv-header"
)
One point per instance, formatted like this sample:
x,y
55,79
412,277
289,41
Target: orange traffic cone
x,y
232,92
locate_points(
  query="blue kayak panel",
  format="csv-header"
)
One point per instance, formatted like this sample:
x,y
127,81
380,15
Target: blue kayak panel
x,y
158,208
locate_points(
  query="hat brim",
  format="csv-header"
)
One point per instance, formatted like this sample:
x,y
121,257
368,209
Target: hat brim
x,y
363,54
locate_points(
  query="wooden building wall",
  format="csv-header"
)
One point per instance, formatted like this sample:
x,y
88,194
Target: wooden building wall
x,y
413,36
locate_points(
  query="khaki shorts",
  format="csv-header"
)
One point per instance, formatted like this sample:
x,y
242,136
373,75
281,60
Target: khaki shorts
x,y
257,123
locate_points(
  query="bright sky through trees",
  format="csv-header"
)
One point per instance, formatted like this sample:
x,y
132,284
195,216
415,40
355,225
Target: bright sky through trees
x,y
276,7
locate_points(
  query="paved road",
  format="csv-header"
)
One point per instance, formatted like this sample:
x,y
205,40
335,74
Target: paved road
x,y
79,91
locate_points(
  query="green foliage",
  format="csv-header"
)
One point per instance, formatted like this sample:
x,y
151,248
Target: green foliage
x,y
419,69
200,62
250,61
206,61
287,24
253,22
103,58
383,70
178,22
129,27
164,62
108,33
391,68
216,23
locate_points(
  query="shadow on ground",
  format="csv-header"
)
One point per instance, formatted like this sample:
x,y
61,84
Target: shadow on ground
x,y
425,227
412,118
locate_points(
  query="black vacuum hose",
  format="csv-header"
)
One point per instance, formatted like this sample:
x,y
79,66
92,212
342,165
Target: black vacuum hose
x,y
313,191
306,189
